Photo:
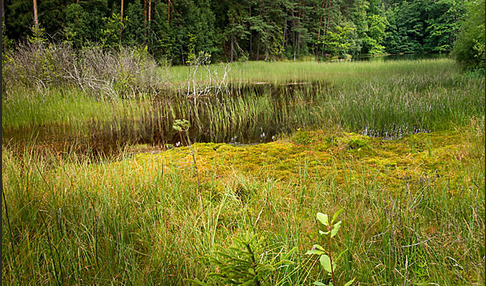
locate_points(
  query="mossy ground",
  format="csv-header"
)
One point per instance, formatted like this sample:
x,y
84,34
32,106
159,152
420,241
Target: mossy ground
x,y
412,206
391,163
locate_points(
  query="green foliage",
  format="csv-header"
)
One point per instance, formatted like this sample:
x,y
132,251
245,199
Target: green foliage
x,y
406,27
277,46
191,56
340,41
326,256
7,43
38,36
181,125
469,46
134,31
112,31
247,30
375,35
85,23
442,24
246,262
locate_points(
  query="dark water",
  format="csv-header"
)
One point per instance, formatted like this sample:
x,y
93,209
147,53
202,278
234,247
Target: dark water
x,y
400,57
107,138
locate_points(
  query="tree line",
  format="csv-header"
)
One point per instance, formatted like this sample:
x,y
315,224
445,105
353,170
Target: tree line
x,y
230,30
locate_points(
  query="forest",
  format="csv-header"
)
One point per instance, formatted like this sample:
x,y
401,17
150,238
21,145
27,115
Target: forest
x,y
175,31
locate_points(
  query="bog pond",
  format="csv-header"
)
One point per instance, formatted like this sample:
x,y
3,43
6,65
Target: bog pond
x,y
213,112
387,98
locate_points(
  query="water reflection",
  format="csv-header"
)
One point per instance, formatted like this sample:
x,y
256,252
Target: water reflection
x,y
399,57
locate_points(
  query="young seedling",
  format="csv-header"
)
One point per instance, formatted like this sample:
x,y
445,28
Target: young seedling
x,y
327,260
246,262
183,126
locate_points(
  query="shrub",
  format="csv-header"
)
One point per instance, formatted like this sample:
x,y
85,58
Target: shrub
x,y
115,73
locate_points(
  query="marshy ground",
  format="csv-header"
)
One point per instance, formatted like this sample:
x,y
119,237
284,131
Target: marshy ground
x,y
399,146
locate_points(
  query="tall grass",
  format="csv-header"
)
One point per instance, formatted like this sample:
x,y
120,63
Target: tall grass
x,y
412,215
334,72
414,211
388,99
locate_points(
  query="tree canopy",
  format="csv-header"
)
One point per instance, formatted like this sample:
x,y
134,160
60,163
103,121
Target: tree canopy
x,y
176,30
469,47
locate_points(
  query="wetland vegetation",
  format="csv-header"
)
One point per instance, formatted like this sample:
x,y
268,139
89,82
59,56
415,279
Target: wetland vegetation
x,y
94,191
120,168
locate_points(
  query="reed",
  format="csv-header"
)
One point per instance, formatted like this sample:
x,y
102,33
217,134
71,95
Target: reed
x,y
388,99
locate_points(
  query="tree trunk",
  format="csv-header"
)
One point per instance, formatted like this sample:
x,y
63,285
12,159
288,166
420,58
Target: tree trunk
x,y
258,48
145,21
326,26
168,12
320,22
294,37
121,21
149,11
298,34
145,13
121,11
251,36
36,19
232,47
319,31
285,31
149,20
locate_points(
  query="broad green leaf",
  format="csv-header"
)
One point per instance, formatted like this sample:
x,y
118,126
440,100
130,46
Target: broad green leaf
x,y
313,251
336,215
323,232
317,246
325,262
323,218
319,283
335,228
350,282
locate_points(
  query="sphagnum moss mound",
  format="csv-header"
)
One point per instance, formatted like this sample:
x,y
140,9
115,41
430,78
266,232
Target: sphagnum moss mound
x,y
140,215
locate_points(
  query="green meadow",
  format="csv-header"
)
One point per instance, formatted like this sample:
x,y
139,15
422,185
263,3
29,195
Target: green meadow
x,y
397,146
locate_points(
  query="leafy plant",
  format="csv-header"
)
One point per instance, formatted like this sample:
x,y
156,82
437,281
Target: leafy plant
x,y
328,262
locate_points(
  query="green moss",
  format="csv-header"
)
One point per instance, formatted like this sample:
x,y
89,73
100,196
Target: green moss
x,y
385,162
301,138
357,144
